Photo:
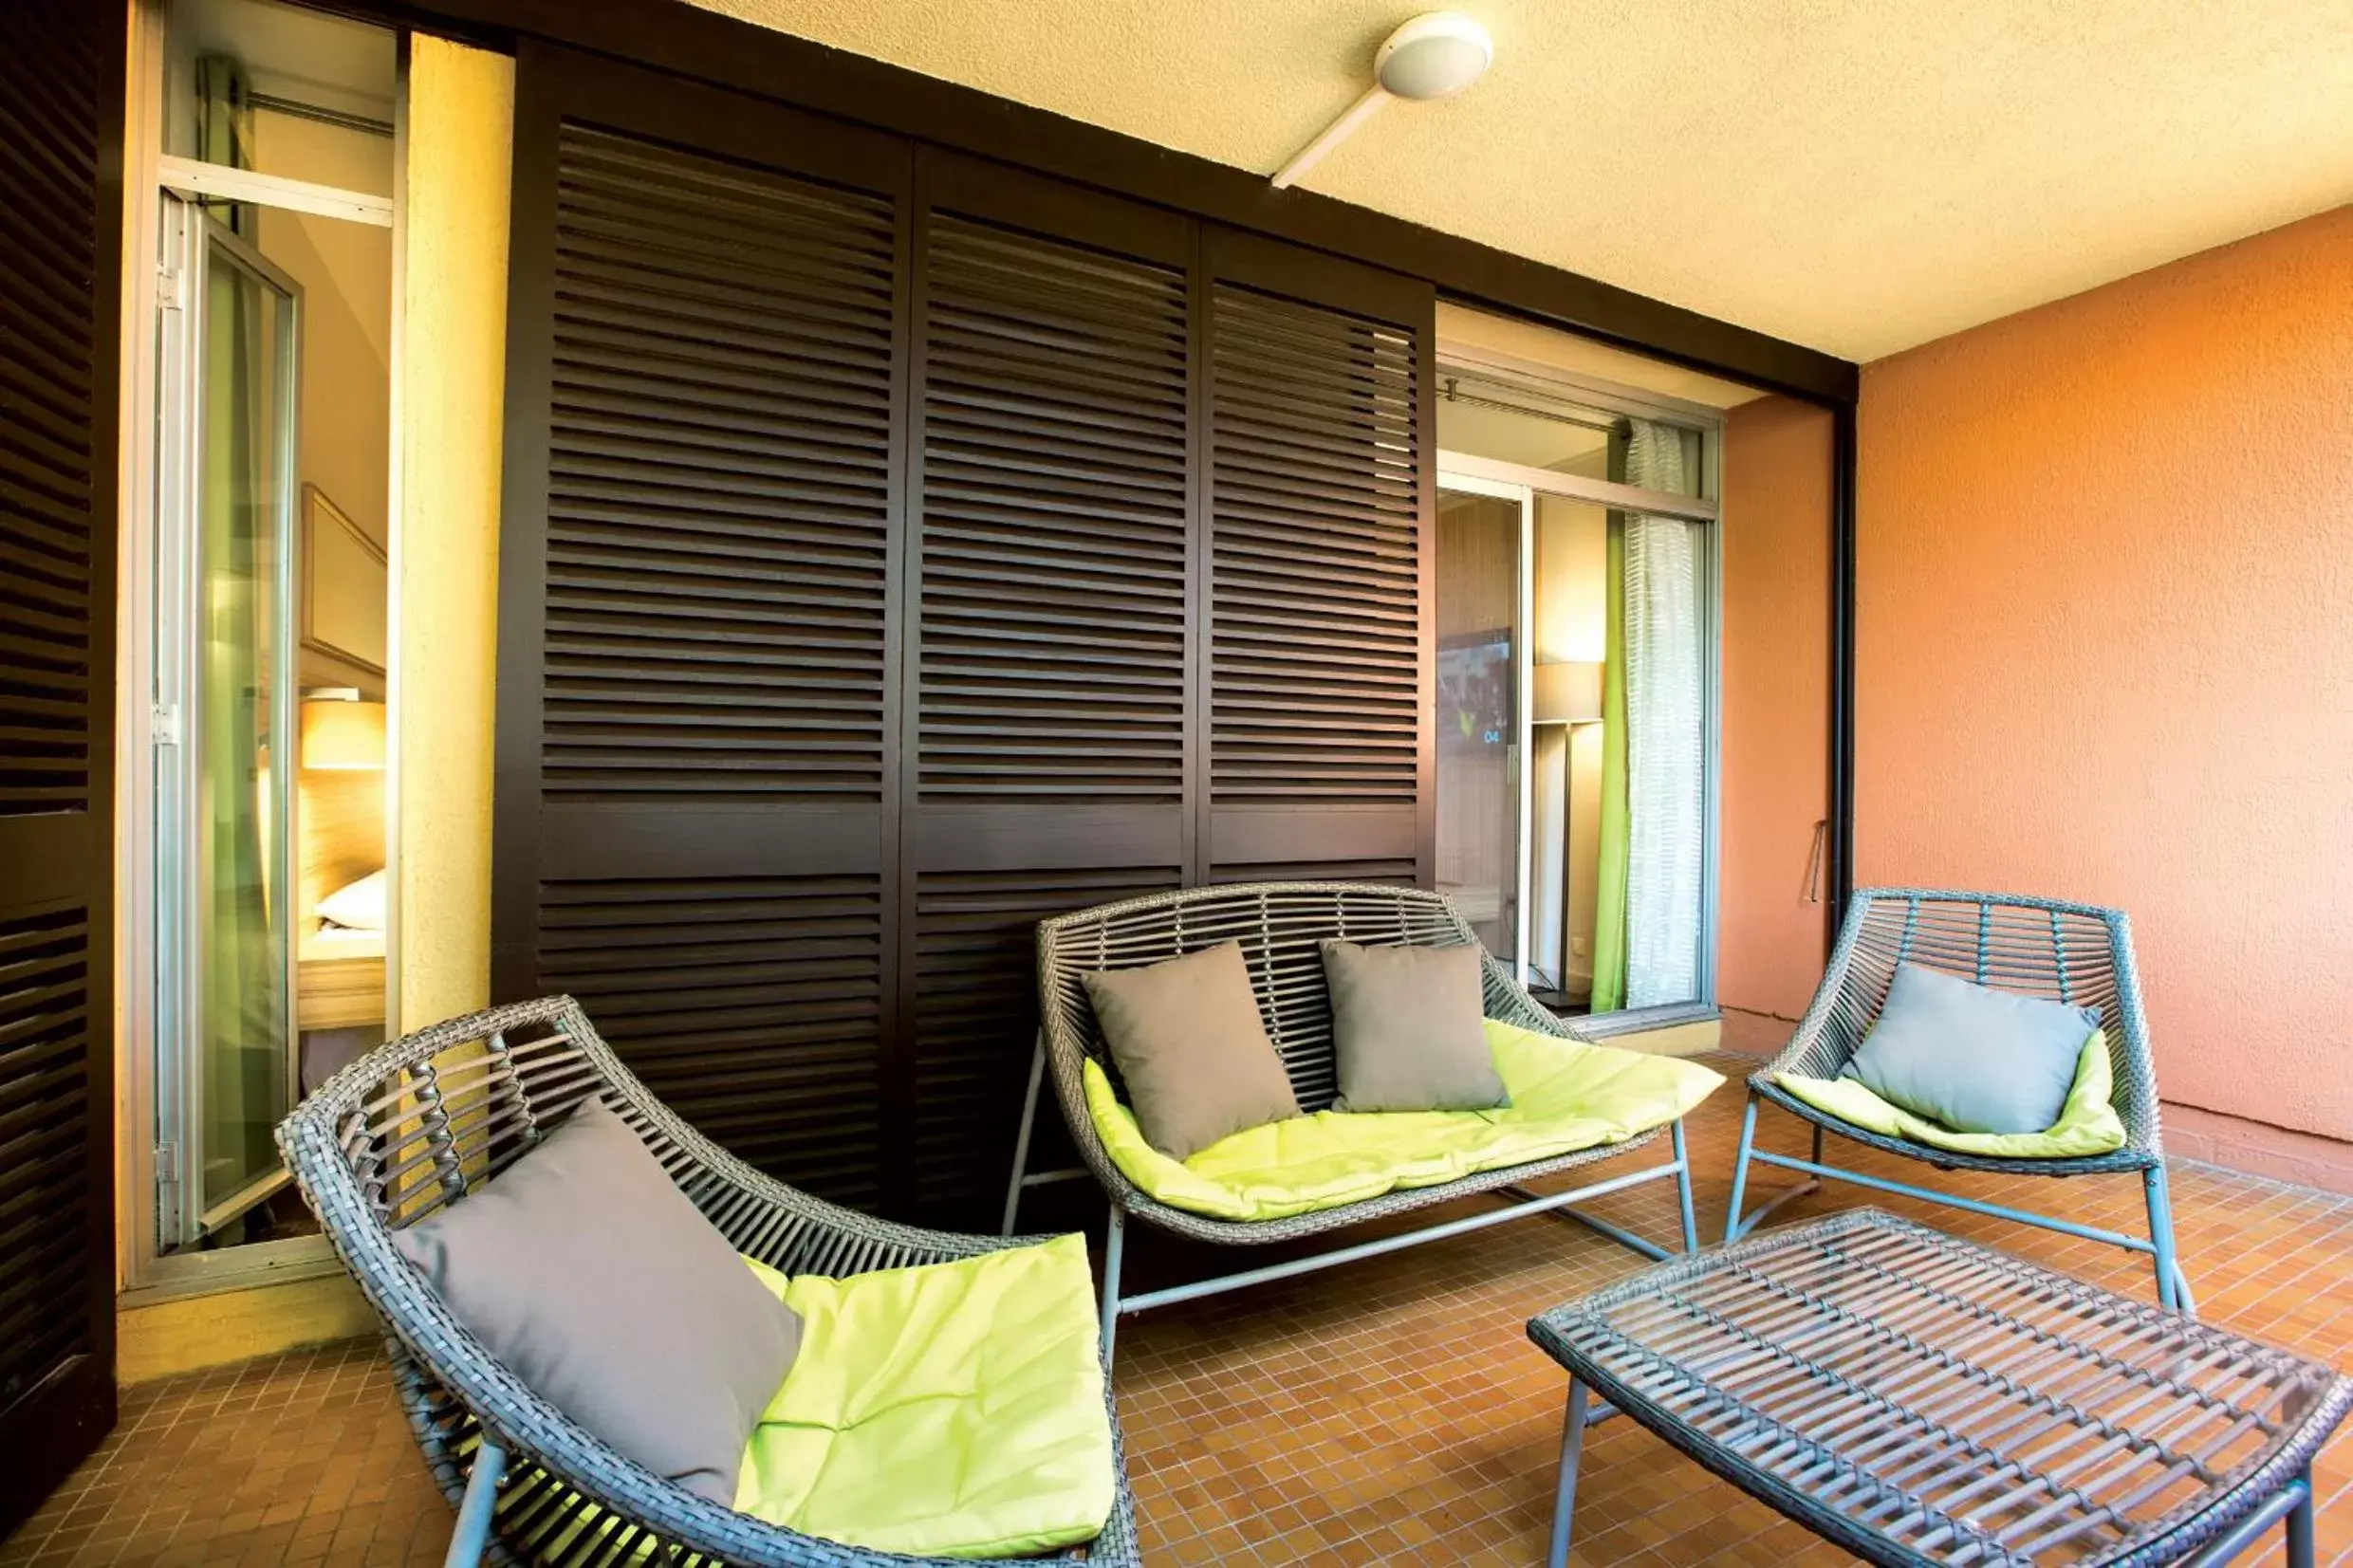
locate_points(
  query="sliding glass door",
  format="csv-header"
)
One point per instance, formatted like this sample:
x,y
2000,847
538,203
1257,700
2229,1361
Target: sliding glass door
x,y
1577,713
1483,584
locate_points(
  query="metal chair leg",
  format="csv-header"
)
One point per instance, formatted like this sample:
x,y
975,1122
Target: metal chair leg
x,y
1115,1240
1740,1172
1021,1143
1684,1192
2173,1285
2300,1551
472,1532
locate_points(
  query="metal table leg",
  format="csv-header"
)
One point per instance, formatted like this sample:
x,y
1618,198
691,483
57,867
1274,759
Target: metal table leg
x,y
1572,1449
2299,1526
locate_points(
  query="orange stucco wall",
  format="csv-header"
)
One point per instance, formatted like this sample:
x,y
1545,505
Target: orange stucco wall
x,y
2105,651
1775,749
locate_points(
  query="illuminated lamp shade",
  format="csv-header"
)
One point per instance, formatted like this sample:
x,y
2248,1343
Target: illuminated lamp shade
x,y
1567,692
343,735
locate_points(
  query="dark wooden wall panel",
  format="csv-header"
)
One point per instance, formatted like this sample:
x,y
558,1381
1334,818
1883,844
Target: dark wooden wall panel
x,y
719,481
1051,629
46,1010
753,1005
902,549
1318,458
975,1015
61,118
1050,610
694,825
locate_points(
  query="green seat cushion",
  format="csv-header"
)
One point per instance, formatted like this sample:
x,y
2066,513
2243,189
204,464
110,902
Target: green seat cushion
x,y
954,1410
2087,1122
1565,1095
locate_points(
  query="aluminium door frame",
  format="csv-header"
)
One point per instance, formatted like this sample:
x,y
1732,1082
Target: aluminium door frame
x,y
144,1271
1463,481
1704,508
183,326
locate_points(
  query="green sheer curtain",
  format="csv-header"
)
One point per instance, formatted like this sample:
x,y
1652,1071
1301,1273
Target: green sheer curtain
x,y
241,781
1609,902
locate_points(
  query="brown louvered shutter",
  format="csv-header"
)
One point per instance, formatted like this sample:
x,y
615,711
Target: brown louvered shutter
x,y
873,588
61,73
1050,732
698,635
1320,456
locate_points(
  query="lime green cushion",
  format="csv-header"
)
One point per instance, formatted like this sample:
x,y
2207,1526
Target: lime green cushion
x,y
2087,1122
954,1410
1565,1095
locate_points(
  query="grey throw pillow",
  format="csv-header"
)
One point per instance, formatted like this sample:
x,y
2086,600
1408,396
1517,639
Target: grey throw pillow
x,y
586,1272
1975,1058
1191,1049
1409,1030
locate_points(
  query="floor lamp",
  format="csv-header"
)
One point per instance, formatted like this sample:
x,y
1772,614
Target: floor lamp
x,y
1567,694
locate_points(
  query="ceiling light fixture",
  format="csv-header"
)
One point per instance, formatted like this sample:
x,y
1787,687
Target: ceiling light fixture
x,y
1436,55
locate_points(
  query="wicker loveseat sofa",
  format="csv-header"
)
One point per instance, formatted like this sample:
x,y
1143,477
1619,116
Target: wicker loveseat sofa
x,y
1281,927
417,1124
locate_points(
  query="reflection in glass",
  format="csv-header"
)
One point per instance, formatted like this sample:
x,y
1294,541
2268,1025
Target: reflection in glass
x,y
1478,719
1616,902
282,90
244,538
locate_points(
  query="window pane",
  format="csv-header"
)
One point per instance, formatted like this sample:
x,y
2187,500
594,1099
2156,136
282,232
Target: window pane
x,y
244,523
279,90
1622,695
1478,724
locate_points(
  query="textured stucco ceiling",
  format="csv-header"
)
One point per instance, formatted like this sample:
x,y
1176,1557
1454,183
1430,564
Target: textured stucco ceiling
x,y
1859,175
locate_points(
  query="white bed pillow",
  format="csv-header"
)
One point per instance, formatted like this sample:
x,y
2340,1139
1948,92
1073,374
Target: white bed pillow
x,y
359,906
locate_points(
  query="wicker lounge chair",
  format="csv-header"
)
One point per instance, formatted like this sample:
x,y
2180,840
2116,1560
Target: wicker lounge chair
x,y
414,1125
1280,926
2074,953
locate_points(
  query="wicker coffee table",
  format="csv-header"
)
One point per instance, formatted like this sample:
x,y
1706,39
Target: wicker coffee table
x,y
1917,1400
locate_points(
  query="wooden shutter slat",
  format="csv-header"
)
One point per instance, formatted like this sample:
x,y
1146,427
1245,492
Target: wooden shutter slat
x,y
706,506
60,126
1008,543
975,1016
649,524
750,1006
1316,616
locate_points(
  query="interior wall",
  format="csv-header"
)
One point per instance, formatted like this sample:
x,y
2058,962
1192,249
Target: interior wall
x,y
2103,654
1571,595
344,440
1776,685
445,556
345,270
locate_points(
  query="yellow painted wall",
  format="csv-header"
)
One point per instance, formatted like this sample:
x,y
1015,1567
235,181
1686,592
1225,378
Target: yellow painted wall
x,y
445,560
1698,1038
159,1339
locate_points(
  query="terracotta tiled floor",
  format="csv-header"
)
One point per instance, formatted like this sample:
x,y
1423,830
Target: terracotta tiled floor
x,y
1388,1411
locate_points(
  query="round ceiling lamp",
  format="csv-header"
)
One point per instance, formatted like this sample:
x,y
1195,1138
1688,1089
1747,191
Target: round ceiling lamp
x,y
1433,56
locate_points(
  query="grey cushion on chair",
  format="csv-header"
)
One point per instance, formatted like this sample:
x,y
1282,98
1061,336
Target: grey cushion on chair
x,y
1975,1059
1191,1049
585,1270
1409,1030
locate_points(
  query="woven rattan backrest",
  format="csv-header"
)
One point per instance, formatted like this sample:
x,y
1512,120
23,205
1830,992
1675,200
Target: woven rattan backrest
x,y
2078,953
418,1123
425,1119
1281,927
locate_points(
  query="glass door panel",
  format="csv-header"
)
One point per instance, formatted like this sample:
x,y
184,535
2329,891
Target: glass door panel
x,y
225,790
1482,725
